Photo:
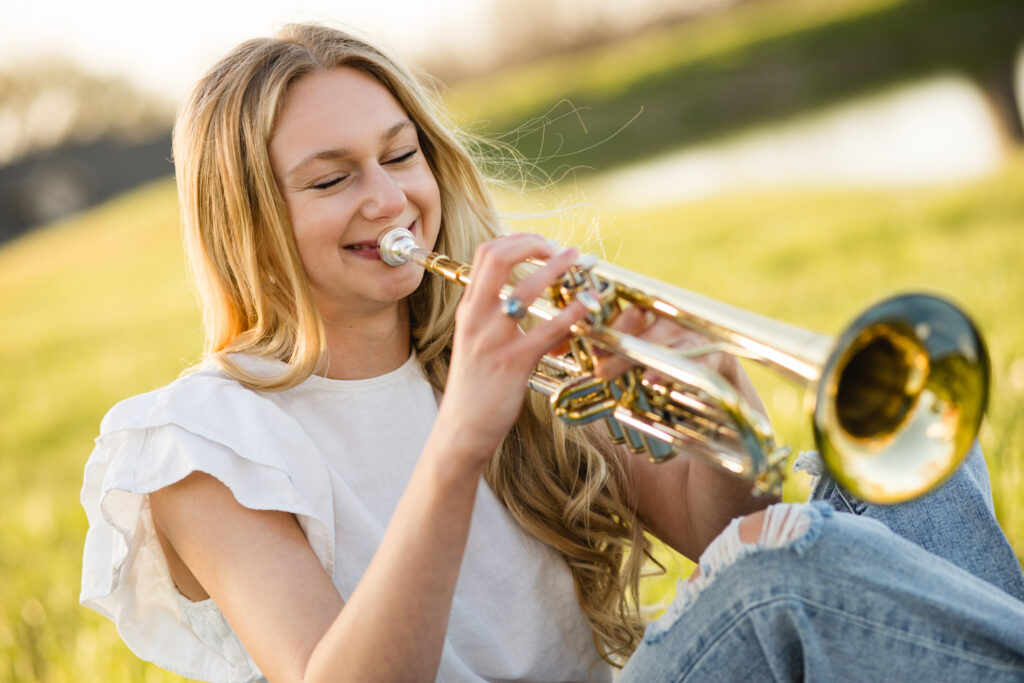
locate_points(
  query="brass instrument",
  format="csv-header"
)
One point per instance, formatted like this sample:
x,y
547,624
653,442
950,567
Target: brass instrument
x,y
897,398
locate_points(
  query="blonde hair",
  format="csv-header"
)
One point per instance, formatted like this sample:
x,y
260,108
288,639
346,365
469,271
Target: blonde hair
x,y
568,490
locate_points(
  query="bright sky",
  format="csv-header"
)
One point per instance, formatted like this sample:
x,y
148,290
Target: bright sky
x,y
167,45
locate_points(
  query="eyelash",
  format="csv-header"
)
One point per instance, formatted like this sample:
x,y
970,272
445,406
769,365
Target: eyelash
x,y
329,183
397,160
404,157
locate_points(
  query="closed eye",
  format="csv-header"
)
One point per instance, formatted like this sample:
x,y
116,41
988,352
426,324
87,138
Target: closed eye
x,y
329,183
404,157
334,181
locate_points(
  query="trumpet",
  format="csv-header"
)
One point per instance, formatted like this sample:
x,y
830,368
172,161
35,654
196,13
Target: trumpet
x,y
896,399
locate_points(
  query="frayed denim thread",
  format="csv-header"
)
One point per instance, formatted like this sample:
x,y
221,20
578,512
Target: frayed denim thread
x,y
823,487
811,463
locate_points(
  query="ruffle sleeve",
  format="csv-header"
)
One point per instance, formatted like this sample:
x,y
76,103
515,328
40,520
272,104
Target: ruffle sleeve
x,y
204,422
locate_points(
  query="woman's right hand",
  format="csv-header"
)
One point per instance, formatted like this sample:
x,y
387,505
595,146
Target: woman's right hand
x,y
492,358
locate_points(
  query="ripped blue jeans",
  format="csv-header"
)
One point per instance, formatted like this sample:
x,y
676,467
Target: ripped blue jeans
x,y
839,590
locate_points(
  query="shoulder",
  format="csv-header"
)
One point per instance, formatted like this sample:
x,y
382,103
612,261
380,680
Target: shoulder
x,y
203,422
206,421
209,406
205,394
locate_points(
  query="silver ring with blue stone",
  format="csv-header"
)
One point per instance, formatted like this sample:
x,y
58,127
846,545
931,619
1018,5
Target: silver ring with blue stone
x,y
513,308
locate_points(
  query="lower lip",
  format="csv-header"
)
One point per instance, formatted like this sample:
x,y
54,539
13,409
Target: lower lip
x,y
373,254
369,254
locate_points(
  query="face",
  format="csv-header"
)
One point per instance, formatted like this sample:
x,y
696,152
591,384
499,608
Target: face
x,y
348,162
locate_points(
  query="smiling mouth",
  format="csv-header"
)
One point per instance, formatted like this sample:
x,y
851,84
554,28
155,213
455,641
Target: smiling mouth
x,y
371,245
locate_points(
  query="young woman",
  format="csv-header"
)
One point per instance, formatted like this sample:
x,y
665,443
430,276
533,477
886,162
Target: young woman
x,y
354,485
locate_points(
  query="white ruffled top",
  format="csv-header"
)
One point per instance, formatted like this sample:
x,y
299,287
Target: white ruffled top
x,y
336,454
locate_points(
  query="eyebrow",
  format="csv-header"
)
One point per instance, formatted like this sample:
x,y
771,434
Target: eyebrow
x,y
342,152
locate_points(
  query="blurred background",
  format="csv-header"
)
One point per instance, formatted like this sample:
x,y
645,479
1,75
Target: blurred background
x,y
797,158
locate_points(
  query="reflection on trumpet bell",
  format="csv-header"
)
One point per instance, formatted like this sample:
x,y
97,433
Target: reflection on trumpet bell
x,y
901,398
897,399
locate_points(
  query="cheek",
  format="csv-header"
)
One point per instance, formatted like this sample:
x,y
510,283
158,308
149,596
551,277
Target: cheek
x,y
302,227
429,199
424,186
315,223
316,244
305,240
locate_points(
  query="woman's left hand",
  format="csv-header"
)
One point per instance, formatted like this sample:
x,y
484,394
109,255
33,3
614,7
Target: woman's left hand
x,y
667,333
685,501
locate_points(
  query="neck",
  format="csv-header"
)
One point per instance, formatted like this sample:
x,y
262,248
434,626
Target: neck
x,y
369,346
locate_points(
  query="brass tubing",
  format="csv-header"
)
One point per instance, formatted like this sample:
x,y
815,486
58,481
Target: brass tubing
x,y
897,398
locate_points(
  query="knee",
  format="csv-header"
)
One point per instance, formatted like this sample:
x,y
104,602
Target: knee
x,y
751,526
787,529
774,527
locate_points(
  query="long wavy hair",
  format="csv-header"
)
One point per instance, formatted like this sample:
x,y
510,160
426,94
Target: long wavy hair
x,y
562,485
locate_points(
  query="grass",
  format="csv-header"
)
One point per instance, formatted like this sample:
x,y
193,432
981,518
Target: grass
x,y
92,310
97,308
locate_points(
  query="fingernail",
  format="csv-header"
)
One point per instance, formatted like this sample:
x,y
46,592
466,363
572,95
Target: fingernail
x,y
586,261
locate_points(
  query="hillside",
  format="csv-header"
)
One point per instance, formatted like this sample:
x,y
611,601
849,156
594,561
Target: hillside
x,y
758,63
97,308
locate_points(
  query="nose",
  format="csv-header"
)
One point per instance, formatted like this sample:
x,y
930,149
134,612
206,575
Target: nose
x,y
384,198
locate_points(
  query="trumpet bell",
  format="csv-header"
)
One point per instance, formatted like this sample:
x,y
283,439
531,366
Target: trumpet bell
x,y
901,398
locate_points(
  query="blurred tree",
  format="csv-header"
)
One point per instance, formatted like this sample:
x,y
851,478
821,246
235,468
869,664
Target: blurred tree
x,y
46,104
69,139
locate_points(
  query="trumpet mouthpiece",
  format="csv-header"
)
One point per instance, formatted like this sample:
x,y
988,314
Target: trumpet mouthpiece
x,y
395,245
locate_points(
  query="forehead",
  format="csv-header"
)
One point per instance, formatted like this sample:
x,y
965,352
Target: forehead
x,y
342,107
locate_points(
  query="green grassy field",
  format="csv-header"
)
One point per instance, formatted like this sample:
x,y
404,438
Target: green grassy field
x,y
97,308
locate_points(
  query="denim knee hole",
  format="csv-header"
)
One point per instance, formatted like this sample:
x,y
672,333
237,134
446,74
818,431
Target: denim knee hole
x,y
791,525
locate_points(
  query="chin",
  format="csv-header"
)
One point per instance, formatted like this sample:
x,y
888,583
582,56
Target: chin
x,y
407,286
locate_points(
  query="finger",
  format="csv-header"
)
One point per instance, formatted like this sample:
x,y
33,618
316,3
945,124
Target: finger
x,y
551,334
495,260
633,321
527,290
561,349
534,284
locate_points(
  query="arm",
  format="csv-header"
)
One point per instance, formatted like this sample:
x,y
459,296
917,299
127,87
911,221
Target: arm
x,y
686,502
265,578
